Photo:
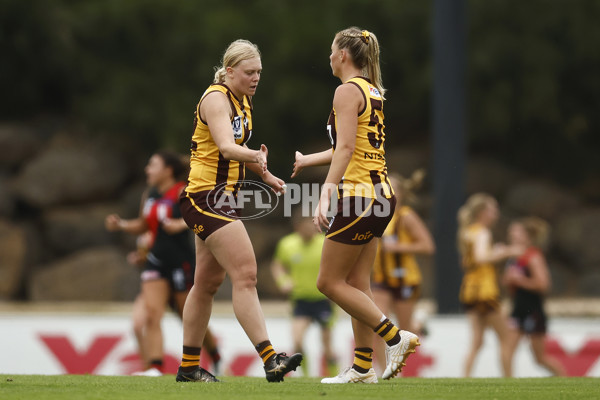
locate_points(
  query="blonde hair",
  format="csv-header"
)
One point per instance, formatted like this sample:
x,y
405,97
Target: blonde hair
x,y
537,229
468,213
364,49
238,51
408,186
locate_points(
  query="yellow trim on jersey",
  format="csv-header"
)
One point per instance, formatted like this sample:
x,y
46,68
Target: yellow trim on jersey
x,y
367,167
208,167
480,280
206,212
353,222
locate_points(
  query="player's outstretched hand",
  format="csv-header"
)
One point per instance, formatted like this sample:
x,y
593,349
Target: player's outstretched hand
x,y
298,164
277,185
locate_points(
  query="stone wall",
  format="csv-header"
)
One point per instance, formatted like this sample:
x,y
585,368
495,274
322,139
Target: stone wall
x,y
57,187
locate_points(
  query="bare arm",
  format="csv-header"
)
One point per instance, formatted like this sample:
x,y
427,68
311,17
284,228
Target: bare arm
x,y
346,101
136,226
483,252
422,242
216,111
267,177
311,160
281,276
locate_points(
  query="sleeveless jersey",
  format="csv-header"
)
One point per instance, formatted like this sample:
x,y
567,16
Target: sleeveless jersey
x,y
156,209
526,301
208,168
367,169
480,282
396,269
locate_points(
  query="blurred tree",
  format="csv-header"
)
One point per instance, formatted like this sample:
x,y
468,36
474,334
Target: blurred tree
x,y
135,70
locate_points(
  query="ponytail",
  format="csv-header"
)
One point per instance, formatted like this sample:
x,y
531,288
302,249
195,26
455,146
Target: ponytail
x,y
363,47
408,186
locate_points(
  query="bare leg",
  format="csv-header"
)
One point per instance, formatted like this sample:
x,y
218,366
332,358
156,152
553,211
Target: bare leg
x,y
299,327
326,342
241,267
156,295
538,347
498,322
477,329
198,306
360,278
513,337
338,260
140,320
404,310
383,299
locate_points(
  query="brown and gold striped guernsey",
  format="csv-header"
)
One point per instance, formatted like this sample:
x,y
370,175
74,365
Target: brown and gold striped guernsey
x,y
208,168
367,167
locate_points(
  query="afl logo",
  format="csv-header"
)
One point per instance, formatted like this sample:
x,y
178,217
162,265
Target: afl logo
x,y
255,198
374,92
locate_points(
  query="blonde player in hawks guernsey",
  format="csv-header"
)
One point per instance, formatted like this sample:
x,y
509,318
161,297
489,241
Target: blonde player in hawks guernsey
x,y
479,291
365,203
222,127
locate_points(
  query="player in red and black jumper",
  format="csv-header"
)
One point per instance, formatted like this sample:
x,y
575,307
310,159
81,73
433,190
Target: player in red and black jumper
x,y
169,266
528,280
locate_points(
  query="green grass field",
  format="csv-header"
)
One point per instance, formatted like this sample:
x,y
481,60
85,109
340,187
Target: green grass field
x,y
85,387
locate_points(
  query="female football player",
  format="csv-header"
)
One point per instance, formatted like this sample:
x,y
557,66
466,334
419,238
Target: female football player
x,y
365,202
219,154
528,279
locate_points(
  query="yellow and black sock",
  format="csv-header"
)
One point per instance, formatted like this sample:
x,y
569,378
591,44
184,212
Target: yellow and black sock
x,y
265,351
190,359
363,359
388,331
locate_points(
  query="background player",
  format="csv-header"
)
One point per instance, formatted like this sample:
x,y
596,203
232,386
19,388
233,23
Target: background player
x,y
167,255
295,268
479,291
528,280
396,281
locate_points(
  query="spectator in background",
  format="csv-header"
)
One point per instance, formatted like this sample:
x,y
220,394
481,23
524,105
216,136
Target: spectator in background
x,y
396,280
169,263
528,280
479,292
295,268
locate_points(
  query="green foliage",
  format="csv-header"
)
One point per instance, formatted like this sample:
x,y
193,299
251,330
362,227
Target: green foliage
x,y
86,387
135,69
534,83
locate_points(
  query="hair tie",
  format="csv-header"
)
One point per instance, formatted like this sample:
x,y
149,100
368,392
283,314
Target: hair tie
x,y
365,37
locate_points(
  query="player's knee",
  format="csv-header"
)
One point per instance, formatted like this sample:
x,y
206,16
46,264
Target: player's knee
x,y
325,286
245,278
210,285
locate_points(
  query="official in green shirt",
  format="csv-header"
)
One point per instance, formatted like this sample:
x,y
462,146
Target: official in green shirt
x,y
295,268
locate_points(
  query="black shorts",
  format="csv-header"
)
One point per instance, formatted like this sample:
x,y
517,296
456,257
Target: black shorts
x,y
359,219
529,323
318,310
179,274
401,292
203,214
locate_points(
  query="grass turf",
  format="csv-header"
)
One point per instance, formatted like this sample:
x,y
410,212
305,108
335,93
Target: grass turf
x,y
88,387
